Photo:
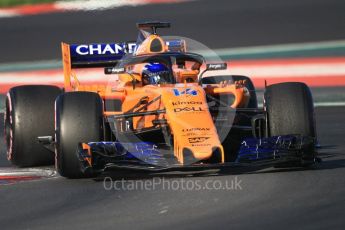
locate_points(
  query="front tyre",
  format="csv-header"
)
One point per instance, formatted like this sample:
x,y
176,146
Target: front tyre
x,y
290,111
79,119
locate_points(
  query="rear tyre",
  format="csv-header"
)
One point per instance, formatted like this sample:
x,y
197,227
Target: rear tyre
x,y
29,114
290,111
79,118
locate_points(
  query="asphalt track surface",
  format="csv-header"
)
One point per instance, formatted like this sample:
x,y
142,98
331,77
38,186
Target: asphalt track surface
x,y
268,199
216,23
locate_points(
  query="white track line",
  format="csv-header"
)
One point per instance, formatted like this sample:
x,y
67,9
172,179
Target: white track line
x,y
290,70
329,104
305,70
88,5
322,104
39,172
281,47
79,5
7,14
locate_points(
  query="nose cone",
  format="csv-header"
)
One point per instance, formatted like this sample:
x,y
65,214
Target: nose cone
x,y
191,156
191,122
202,154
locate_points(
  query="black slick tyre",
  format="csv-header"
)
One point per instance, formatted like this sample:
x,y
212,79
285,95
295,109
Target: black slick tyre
x,y
79,119
29,114
290,111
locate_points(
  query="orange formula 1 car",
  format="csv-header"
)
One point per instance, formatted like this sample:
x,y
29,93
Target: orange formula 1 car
x,y
162,107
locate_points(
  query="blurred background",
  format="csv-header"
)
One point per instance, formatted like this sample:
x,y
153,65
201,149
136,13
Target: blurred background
x,y
276,40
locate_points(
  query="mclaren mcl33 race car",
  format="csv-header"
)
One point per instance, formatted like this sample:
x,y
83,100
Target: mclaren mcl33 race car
x,y
166,104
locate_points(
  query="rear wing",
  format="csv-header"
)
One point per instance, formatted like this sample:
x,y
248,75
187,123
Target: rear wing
x,y
92,55
103,55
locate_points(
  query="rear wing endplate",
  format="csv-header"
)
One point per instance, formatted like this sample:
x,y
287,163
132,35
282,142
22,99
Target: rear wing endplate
x,y
92,55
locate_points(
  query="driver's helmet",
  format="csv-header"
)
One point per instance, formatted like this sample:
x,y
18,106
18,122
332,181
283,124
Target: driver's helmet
x,y
155,73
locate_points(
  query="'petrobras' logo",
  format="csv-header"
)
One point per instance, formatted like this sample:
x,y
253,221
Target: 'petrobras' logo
x,y
187,91
103,49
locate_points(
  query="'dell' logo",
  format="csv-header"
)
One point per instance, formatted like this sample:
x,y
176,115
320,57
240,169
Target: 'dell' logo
x,y
188,109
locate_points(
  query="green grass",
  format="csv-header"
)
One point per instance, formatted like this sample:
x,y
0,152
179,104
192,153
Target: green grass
x,y
7,3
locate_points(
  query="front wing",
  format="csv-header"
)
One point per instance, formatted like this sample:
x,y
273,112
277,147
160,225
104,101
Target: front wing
x,y
289,150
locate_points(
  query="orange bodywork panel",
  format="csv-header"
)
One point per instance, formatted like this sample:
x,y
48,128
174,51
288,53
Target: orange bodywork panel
x,y
187,115
189,118
67,65
87,157
146,47
183,114
240,93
